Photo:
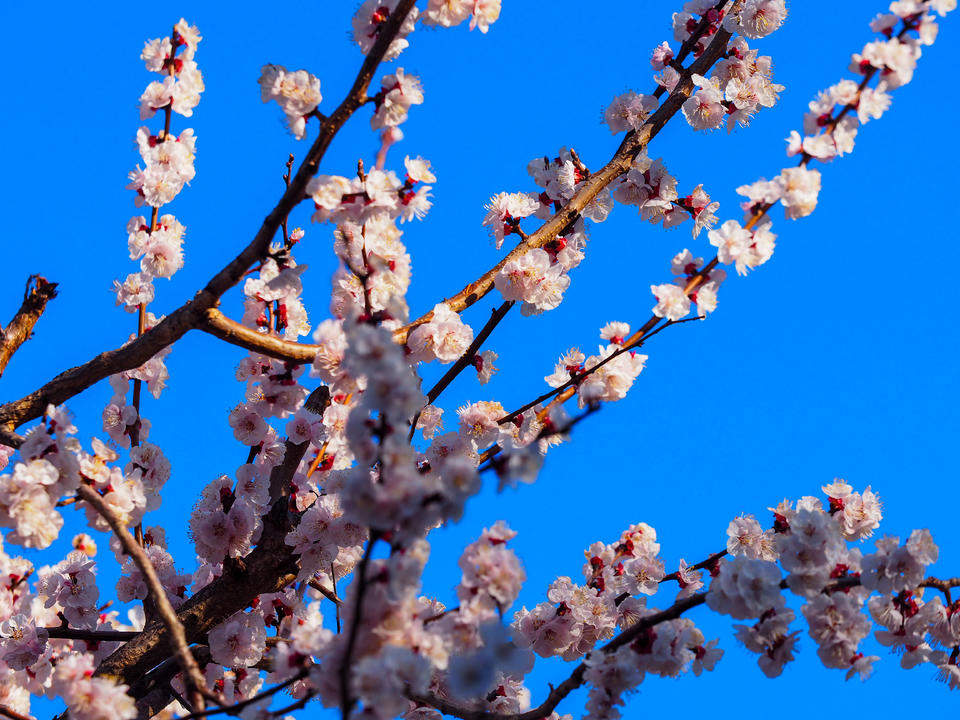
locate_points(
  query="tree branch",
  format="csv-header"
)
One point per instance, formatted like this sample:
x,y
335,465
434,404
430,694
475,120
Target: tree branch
x,y
66,633
13,714
38,293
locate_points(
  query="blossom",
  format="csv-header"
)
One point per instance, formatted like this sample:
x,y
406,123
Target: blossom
x,y
369,19
612,380
445,338
704,109
746,249
746,537
238,642
757,18
506,208
661,56
629,111
447,12
248,426
534,280
484,365
745,588
297,93
615,332
799,188
672,301
485,13
398,93
430,421
21,642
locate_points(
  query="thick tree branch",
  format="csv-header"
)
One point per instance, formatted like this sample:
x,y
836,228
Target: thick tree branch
x,y
268,568
194,313
38,293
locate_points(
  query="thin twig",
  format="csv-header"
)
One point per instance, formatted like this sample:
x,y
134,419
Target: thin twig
x,y
237,707
168,616
464,360
346,702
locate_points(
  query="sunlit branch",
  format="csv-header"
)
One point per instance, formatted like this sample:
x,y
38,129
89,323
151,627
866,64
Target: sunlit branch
x,y
38,292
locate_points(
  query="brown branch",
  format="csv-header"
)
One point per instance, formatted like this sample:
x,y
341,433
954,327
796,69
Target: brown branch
x,y
575,679
329,594
191,671
13,714
219,325
66,633
270,567
38,293
233,332
193,314
943,586
646,331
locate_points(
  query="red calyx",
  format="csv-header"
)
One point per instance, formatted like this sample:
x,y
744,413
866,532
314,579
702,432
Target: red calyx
x,y
780,523
554,247
839,571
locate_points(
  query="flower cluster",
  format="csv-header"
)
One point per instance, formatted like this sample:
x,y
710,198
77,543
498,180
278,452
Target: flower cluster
x,y
653,190
740,84
49,469
368,22
538,277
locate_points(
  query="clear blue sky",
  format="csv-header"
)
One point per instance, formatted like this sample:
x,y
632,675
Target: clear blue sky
x,y
837,358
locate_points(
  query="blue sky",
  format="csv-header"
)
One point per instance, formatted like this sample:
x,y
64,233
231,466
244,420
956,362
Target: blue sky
x,y
836,358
